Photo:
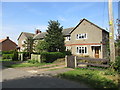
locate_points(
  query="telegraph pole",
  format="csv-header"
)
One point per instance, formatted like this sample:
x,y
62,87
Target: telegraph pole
x,y
111,33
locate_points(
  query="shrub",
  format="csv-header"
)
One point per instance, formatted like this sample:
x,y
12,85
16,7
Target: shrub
x,y
33,61
7,56
10,55
117,64
51,56
15,55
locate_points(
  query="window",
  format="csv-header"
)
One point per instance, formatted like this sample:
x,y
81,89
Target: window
x,y
81,50
81,36
68,38
68,48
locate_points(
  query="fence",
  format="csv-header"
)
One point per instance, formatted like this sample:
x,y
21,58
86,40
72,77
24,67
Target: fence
x,y
75,61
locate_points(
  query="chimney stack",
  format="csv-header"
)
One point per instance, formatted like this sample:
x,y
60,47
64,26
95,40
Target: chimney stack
x,y
37,31
7,37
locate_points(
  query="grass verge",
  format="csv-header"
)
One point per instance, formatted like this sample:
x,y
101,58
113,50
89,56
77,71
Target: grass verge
x,y
27,65
94,78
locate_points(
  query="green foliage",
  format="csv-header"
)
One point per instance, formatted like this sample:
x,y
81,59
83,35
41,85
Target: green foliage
x,y
41,46
33,61
117,64
54,37
7,56
8,52
51,56
29,45
94,78
15,55
10,55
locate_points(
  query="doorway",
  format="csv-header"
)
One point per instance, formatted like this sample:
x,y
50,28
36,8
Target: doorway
x,y
96,52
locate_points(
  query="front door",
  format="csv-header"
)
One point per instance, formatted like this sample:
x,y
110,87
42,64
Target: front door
x,y
96,52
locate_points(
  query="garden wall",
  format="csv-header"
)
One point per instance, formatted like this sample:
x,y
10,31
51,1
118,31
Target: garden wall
x,y
36,57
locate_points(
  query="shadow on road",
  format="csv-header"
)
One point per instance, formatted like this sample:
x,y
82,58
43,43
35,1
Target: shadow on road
x,y
41,82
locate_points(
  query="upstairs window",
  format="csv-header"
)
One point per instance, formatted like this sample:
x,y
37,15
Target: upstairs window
x,y
68,38
81,36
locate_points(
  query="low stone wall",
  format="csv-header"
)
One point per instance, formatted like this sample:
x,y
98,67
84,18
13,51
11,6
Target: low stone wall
x,y
36,57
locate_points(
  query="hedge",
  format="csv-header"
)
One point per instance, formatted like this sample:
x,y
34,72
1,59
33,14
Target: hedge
x,y
7,56
49,57
10,55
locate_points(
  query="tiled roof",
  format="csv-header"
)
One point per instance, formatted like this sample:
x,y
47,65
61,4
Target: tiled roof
x,y
67,31
2,40
40,35
26,34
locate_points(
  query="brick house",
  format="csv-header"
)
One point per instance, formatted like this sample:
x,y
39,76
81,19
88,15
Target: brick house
x,y
7,45
85,39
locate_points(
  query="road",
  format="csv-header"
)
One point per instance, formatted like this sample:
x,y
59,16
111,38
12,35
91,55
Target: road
x,y
25,78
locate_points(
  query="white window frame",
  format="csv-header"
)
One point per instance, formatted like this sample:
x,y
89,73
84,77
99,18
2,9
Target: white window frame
x,y
79,36
67,38
80,48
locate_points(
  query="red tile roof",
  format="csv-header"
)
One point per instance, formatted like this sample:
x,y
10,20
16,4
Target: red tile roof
x,y
2,40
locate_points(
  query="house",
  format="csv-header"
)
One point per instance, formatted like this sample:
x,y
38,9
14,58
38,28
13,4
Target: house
x,y
7,45
85,39
22,38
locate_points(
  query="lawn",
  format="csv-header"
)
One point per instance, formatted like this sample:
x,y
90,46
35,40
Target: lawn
x,y
27,65
94,78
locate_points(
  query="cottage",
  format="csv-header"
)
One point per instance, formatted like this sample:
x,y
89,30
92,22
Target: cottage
x,y
7,45
85,39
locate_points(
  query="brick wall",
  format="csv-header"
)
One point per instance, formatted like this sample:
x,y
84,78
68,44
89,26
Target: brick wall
x,y
7,45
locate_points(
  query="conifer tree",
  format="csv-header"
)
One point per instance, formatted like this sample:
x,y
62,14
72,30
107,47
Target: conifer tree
x,y
54,37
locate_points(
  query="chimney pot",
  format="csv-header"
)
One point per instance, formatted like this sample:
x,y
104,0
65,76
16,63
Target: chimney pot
x,y
7,37
37,31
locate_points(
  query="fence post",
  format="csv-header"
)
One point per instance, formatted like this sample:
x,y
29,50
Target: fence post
x,y
66,61
75,61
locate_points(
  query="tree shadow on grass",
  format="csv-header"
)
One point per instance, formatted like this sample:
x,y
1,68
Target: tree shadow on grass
x,y
90,79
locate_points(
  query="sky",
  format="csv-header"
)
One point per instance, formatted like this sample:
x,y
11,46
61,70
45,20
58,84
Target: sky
x,y
20,17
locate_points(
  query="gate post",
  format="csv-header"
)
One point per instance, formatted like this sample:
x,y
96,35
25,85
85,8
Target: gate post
x,y
66,60
75,58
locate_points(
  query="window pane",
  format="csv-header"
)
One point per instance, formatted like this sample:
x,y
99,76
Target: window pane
x,y
77,49
82,49
85,35
77,36
85,49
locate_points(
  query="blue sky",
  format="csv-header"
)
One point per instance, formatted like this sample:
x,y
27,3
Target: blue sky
x,y
20,17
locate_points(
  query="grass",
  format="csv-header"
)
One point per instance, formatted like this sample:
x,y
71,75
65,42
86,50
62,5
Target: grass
x,y
27,65
94,78
5,59
30,64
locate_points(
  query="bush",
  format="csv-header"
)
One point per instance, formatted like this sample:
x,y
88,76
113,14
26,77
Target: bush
x,y
15,55
51,56
7,56
8,52
117,64
33,61
10,55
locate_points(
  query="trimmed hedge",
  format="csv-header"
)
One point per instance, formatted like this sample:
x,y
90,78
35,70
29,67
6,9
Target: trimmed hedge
x,y
10,55
49,57
7,56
